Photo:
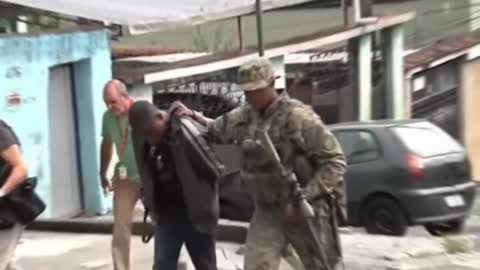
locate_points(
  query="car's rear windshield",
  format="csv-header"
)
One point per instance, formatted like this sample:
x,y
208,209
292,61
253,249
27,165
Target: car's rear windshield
x,y
426,140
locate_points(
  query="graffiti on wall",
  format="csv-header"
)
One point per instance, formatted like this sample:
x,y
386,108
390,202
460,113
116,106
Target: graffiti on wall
x,y
13,72
14,100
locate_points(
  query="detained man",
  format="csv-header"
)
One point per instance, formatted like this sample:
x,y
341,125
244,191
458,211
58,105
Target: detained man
x,y
181,195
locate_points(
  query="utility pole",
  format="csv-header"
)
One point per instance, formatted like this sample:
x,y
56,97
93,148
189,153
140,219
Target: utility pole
x,y
258,7
241,43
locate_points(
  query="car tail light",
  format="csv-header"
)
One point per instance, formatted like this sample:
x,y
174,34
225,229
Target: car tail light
x,y
415,167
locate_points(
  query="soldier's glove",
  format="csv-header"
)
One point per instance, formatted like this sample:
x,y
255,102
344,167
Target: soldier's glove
x,y
298,197
296,192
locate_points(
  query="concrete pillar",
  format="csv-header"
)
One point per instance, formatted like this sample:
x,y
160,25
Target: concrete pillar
x,y
356,102
392,51
364,74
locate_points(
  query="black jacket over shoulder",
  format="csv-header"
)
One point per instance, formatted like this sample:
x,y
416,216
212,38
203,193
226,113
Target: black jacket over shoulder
x,y
198,170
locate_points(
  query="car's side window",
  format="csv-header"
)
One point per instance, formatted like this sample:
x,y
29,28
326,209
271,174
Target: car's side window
x,y
358,146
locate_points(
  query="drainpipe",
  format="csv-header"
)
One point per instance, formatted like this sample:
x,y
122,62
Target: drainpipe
x,y
258,7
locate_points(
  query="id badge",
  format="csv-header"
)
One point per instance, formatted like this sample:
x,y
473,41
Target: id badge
x,y
122,172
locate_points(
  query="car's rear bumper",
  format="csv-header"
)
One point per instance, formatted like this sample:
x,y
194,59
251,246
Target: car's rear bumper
x,y
430,205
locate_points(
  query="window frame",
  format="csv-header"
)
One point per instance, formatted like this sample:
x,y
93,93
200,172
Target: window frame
x,y
379,147
432,128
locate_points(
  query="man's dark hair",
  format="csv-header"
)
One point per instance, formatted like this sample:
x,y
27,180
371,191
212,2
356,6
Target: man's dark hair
x,y
141,113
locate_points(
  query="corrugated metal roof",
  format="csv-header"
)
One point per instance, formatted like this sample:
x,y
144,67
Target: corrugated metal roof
x,y
150,72
134,71
143,16
442,50
141,52
165,58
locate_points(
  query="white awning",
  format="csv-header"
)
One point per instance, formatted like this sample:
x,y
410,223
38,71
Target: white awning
x,y
194,64
143,16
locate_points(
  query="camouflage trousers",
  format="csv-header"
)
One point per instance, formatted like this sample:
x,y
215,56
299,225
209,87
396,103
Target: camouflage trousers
x,y
270,235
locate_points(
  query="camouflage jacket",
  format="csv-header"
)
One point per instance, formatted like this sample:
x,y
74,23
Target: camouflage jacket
x,y
304,145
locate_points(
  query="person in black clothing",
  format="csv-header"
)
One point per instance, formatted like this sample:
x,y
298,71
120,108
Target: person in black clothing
x,y
168,192
13,172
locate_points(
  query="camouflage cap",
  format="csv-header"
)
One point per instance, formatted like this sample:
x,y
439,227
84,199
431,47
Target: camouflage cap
x,y
256,74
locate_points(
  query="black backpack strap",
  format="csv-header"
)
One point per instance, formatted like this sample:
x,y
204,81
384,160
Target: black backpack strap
x,y
146,235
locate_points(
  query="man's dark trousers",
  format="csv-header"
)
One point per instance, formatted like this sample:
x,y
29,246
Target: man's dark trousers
x,y
169,238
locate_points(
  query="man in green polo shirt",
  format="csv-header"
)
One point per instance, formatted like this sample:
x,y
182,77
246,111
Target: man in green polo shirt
x,y
126,184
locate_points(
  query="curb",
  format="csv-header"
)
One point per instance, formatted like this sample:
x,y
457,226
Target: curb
x,y
228,231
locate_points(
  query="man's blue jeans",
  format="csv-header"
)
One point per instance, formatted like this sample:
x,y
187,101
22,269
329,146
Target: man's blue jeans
x,y
169,238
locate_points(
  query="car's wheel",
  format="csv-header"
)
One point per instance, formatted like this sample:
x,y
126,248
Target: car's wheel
x,y
446,228
383,215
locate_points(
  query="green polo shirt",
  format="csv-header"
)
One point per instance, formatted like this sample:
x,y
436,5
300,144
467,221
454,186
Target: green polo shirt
x,y
118,129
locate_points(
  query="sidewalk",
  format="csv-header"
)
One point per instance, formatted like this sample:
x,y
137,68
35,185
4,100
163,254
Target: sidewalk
x,y
361,251
53,250
229,231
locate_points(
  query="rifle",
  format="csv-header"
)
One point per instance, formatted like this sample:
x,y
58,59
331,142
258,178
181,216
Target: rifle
x,y
299,200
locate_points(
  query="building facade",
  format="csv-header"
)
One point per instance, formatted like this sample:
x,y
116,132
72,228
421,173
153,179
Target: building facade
x,y
51,94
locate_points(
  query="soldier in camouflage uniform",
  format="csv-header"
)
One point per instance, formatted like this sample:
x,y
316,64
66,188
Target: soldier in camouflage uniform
x,y
306,147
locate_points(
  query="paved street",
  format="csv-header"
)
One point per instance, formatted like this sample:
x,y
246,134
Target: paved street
x,y
47,251
50,251
418,250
